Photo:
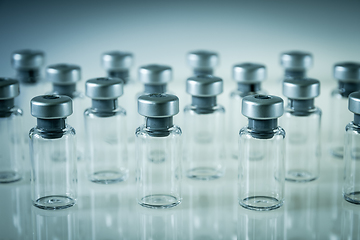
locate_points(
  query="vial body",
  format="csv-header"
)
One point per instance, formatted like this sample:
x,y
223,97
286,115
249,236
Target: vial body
x,y
261,169
106,140
204,152
303,149
351,189
53,168
340,118
158,174
11,145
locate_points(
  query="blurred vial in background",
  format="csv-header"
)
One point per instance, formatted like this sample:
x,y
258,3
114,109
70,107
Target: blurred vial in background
x,y
155,79
64,78
11,130
348,76
105,129
28,64
248,77
204,129
117,65
203,62
53,153
351,189
158,152
302,123
261,154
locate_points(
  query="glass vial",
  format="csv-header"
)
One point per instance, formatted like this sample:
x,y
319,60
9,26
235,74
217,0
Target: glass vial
x,y
105,124
296,63
302,123
204,129
248,77
64,78
348,77
203,62
351,189
158,152
117,65
53,153
11,141
261,154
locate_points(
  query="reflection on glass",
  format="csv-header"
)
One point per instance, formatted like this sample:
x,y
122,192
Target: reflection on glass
x,y
350,221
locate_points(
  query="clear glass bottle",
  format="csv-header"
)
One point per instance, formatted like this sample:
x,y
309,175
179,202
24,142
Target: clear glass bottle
x,y
204,152
158,152
64,78
11,141
348,76
261,154
105,127
302,123
203,62
351,188
117,65
248,77
53,153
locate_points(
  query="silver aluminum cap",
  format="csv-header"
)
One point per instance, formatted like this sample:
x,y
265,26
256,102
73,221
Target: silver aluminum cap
x,y
249,72
27,59
51,106
354,102
301,88
158,105
347,71
262,107
202,59
204,86
154,74
104,88
296,60
9,88
116,60
63,73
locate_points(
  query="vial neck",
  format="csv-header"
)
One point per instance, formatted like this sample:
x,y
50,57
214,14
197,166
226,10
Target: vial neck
x,y
104,105
244,87
29,76
348,87
5,106
301,106
65,89
262,129
295,73
357,119
159,126
122,74
154,88
203,102
51,128
203,71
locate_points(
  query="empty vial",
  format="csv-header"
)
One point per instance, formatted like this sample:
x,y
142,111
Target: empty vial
x,y
248,77
158,152
11,140
348,76
204,129
203,62
296,63
105,128
155,78
261,154
53,153
351,189
302,123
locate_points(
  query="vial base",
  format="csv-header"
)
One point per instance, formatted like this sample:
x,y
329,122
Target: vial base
x,y
299,176
261,203
108,177
9,177
353,197
159,201
204,173
337,152
54,202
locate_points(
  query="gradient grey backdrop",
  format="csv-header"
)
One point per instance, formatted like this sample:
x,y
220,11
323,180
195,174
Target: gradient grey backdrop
x,y
163,31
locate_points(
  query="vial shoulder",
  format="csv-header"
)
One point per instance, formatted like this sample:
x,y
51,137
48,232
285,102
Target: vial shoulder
x,y
144,132
289,112
38,133
337,94
277,132
352,128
